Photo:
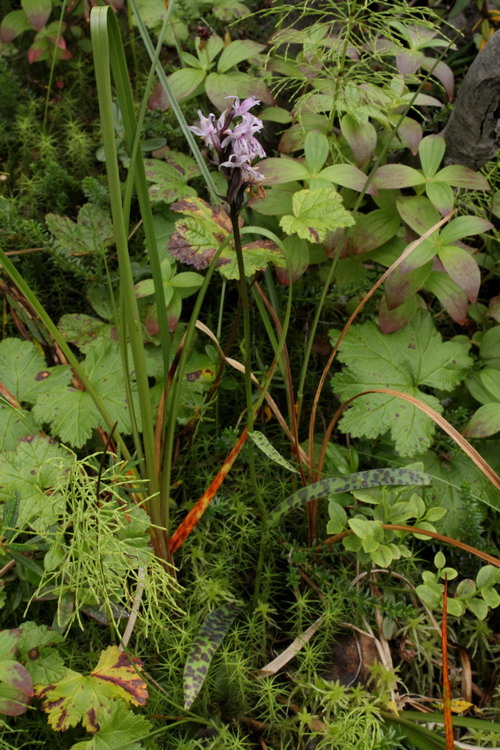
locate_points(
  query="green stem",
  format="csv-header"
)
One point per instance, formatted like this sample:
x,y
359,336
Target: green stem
x,y
234,213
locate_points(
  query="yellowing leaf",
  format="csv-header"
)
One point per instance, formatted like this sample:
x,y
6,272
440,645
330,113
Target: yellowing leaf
x,y
457,705
315,212
87,698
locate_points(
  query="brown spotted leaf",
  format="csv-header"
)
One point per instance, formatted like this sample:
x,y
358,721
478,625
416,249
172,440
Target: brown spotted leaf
x,y
87,698
211,635
198,236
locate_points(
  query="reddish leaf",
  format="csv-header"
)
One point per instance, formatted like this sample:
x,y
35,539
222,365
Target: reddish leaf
x,y
393,320
16,688
449,294
392,176
37,12
13,24
361,137
494,308
462,177
462,268
409,131
373,230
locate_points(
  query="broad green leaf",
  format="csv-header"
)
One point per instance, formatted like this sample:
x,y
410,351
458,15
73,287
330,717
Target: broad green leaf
x,y
490,380
278,171
337,518
391,176
347,483
72,412
276,201
431,151
184,82
220,85
463,177
404,361
462,267
418,213
297,258
463,226
13,24
198,236
83,330
25,373
37,12
119,729
409,131
441,196
485,421
208,640
453,299
348,176
227,10
87,698
33,469
91,233
316,149
169,181
236,52
489,349
361,137
15,424
372,230
269,450
315,212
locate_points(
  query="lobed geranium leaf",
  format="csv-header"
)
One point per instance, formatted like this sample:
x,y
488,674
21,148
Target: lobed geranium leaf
x,y
31,470
120,729
208,640
84,330
91,233
25,373
315,212
169,182
88,698
407,360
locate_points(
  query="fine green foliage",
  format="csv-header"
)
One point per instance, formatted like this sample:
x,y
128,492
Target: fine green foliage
x,y
404,361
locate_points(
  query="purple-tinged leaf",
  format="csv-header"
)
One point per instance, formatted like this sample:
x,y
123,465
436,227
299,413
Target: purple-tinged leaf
x,y
442,72
401,285
421,255
463,226
16,688
418,213
449,294
361,137
373,230
462,268
463,177
396,176
441,196
422,100
431,151
391,321
485,422
409,131
409,61
13,24
279,171
348,176
494,308
37,12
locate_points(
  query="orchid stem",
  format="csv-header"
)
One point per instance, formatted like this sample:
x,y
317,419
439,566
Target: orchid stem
x,y
243,289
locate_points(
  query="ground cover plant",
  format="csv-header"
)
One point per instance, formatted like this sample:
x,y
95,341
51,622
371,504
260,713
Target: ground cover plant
x,y
249,378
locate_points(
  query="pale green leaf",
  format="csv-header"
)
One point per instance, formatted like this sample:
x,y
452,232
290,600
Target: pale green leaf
x,y
315,212
269,450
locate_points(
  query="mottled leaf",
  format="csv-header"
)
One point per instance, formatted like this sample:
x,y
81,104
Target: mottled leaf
x,y
87,698
269,450
197,238
347,483
315,212
208,640
407,360
84,330
169,180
